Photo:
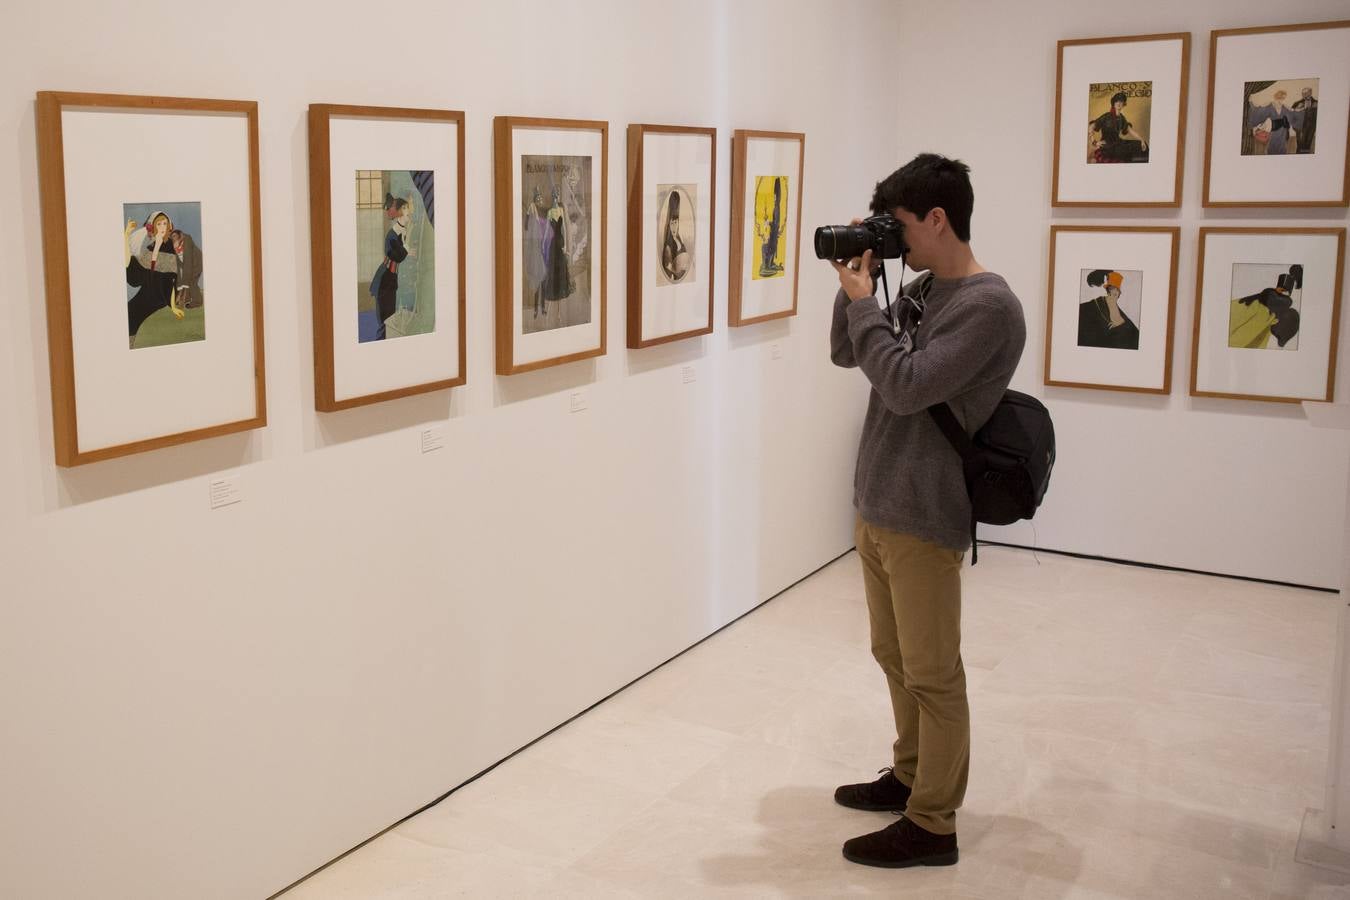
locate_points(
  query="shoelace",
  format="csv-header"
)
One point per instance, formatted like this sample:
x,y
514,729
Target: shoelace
x,y
886,770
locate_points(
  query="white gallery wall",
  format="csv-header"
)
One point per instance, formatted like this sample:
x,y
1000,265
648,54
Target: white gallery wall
x,y
199,703
1237,487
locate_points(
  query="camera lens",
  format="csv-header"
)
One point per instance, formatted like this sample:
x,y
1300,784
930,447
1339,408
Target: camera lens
x,y
843,241
825,242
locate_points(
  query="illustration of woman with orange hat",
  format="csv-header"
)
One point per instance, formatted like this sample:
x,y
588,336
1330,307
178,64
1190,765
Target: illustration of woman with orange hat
x,y
1101,321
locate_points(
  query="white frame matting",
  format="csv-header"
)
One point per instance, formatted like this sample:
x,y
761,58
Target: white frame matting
x,y
1148,249
661,312
1318,50
756,154
1163,59
1307,373
92,160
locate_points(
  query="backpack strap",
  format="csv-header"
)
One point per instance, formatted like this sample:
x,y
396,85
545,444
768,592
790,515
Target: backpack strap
x,y
971,464
951,429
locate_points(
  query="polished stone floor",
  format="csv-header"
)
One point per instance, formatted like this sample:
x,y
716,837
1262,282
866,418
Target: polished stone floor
x,y
1136,734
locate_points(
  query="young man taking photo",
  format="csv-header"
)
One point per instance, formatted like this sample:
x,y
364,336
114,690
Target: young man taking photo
x,y
960,346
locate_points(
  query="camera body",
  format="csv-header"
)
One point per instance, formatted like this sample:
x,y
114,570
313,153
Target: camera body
x,y
884,235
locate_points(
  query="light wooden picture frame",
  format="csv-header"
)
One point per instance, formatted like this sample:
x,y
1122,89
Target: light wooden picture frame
x,y
1277,129
1120,121
552,175
672,204
765,258
1111,307
1267,313
387,252
188,266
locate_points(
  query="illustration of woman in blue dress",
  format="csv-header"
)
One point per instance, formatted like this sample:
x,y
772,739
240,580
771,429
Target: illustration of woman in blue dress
x,y
384,285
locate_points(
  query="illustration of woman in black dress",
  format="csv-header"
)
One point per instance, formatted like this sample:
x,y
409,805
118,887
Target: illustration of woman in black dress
x,y
1111,137
558,283
674,253
384,285
151,266
1101,321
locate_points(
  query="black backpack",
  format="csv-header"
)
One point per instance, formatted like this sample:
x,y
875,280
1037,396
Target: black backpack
x,y
1007,463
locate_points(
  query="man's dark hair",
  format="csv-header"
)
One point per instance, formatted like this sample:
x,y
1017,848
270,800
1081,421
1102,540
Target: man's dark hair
x,y
925,182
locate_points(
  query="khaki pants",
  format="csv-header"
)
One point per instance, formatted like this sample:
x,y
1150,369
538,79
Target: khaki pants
x,y
914,604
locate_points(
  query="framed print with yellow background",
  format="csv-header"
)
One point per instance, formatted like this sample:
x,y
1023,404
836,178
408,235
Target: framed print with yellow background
x,y
1111,307
1120,120
672,194
153,271
387,251
1279,116
766,207
551,196
1267,313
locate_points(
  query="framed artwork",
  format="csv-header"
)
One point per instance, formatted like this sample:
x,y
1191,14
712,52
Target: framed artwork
x,y
1120,120
386,201
1279,116
672,193
155,334
1112,300
766,221
551,199
1267,313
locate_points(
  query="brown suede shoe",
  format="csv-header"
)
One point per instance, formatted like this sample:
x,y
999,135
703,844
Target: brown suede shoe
x,y
886,794
900,845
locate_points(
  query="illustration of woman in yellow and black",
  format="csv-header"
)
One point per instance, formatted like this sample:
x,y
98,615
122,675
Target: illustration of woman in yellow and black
x,y
1269,313
1101,321
769,228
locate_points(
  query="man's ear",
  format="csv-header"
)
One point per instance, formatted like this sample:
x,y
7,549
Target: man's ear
x,y
939,216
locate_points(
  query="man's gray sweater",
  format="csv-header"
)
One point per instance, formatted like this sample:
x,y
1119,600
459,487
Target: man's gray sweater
x,y
909,478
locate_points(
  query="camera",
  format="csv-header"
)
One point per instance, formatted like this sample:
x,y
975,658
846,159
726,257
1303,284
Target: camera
x,y
884,235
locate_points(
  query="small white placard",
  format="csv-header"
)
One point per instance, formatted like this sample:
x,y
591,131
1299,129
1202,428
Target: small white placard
x,y
577,401
433,439
225,491
775,351
688,375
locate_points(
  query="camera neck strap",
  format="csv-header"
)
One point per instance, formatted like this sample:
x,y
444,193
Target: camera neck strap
x,y
886,289
907,312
